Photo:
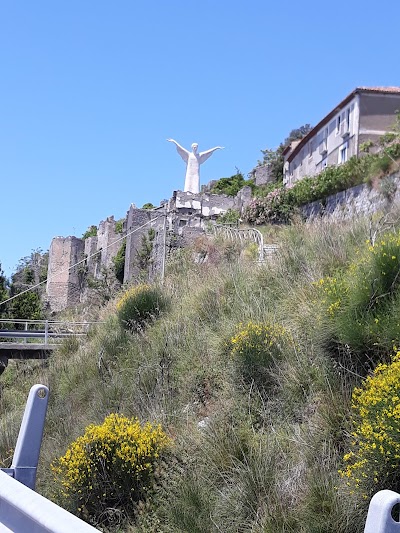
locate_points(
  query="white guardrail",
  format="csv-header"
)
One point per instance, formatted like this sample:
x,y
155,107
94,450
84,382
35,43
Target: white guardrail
x,y
22,510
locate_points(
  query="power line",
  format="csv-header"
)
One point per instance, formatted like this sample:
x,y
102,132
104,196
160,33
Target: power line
x,y
81,261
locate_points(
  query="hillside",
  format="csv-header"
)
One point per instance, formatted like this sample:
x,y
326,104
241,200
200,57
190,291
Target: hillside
x,y
250,371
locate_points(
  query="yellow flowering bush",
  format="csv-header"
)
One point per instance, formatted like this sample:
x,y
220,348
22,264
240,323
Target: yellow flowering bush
x,y
111,466
256,346
139,304
373,462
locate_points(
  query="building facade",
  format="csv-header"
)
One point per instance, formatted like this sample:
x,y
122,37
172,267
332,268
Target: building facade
x,y
365,114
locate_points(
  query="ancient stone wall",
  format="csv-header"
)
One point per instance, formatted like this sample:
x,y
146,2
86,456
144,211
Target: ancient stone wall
x,y
93,261
177,223
108,241
138,226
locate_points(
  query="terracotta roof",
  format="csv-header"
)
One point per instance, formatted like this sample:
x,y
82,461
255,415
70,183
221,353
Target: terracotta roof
x,y
343,103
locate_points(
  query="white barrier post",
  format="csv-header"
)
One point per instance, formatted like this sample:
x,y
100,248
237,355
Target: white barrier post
x,y
379,518
27,449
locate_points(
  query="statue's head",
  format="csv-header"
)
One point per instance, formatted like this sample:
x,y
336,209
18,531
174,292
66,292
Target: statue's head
x,y
194,147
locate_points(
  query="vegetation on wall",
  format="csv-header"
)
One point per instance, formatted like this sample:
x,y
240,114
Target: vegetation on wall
x,y
119,225
143,254
90,232
119,262
231,186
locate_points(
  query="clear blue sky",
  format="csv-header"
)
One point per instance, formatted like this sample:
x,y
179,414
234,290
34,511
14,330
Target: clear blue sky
x,y
90,90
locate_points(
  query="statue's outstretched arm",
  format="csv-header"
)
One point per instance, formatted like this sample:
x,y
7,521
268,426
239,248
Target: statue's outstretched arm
x,y
181,150
205,155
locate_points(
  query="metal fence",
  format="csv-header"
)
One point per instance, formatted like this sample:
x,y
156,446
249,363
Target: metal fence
x,y
13,330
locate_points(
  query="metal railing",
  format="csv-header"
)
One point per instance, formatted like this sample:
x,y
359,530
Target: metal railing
x,y
235,234
249,234
41,330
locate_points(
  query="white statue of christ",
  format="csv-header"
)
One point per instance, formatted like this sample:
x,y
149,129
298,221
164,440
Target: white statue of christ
x,y
193,161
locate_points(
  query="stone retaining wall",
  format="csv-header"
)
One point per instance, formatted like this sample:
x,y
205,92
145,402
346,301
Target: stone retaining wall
x,y
360,200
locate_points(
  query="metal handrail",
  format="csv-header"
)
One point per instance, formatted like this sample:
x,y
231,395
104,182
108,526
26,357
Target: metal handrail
x,y
250,234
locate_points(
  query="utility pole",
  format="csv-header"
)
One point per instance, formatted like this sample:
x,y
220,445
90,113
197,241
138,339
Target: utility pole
x,y
164,245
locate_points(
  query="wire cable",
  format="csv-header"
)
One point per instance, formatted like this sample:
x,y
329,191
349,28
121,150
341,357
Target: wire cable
x,y
81,261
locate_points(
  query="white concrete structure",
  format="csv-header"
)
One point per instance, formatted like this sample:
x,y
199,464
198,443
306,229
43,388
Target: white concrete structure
x,y
193,161
379,518
23,510
365,114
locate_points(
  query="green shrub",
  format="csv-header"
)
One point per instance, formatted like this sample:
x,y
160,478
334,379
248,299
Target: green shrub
x,y
90,232
361,300
373,461
231,186
110,467
380,164
230,217
256,347
139,305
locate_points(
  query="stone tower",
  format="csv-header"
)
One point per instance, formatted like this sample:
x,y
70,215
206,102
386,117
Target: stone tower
x,y
64,284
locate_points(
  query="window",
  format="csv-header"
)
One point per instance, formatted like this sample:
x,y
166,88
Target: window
x,y
338,122
348,119
343,153
310,148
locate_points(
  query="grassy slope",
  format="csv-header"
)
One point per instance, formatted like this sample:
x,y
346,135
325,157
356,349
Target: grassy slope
x,y
268,458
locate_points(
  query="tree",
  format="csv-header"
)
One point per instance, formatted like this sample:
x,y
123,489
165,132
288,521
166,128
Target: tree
x,y
3,292
27,305
274,158
31,271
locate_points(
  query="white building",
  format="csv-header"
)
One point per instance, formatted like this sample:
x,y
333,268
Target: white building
x,y
365,114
